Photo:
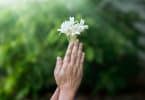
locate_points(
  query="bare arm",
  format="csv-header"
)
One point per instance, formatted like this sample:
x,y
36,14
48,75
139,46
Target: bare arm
x,y
55,96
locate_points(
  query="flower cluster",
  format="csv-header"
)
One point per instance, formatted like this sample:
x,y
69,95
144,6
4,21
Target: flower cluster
x,y
72,28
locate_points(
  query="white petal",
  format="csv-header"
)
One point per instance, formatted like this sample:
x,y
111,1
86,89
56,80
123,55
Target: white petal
x,y
82,22
71,17
72,27
86,26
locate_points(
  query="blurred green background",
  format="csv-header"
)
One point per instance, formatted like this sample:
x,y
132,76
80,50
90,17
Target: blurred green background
x,y
30,43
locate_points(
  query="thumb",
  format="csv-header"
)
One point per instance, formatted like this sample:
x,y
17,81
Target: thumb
x,y
59,61
58,64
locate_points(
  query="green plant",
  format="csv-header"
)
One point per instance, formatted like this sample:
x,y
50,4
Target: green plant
x,y
29,44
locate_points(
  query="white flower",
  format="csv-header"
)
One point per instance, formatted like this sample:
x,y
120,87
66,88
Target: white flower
x,y
72,27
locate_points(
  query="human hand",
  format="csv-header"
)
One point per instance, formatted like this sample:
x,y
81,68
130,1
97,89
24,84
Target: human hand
x,y
69,71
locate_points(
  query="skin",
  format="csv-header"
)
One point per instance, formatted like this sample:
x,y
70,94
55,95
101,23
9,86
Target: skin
x,y
55,96
69,72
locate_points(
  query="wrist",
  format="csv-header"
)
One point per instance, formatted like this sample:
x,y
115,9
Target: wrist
x,y
67,93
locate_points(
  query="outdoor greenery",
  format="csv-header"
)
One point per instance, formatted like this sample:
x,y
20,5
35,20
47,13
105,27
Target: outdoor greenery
x,y
30,43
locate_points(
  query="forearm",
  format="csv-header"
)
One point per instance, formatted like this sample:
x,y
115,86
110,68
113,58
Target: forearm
x,y
55,96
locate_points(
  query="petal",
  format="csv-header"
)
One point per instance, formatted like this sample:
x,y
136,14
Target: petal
x,y
71,19
82,22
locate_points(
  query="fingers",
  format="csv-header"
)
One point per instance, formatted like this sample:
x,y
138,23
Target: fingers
x,y
74,52
77,58
79,55
68,52
80,69
82,59
59,64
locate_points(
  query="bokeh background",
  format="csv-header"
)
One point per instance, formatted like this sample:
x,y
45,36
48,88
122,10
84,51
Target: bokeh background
x,y
29,43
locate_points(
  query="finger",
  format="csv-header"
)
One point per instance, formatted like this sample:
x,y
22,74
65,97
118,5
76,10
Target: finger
x,y
82,59
77,60
59,63
80,69
79,55
74,52
68,52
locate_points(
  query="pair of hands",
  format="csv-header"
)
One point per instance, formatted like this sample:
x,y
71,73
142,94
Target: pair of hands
x,y
69,72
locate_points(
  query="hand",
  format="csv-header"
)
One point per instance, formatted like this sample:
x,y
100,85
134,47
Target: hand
x,y
69,71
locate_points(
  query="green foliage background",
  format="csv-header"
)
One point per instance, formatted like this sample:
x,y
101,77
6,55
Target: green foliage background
x,y
29,44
